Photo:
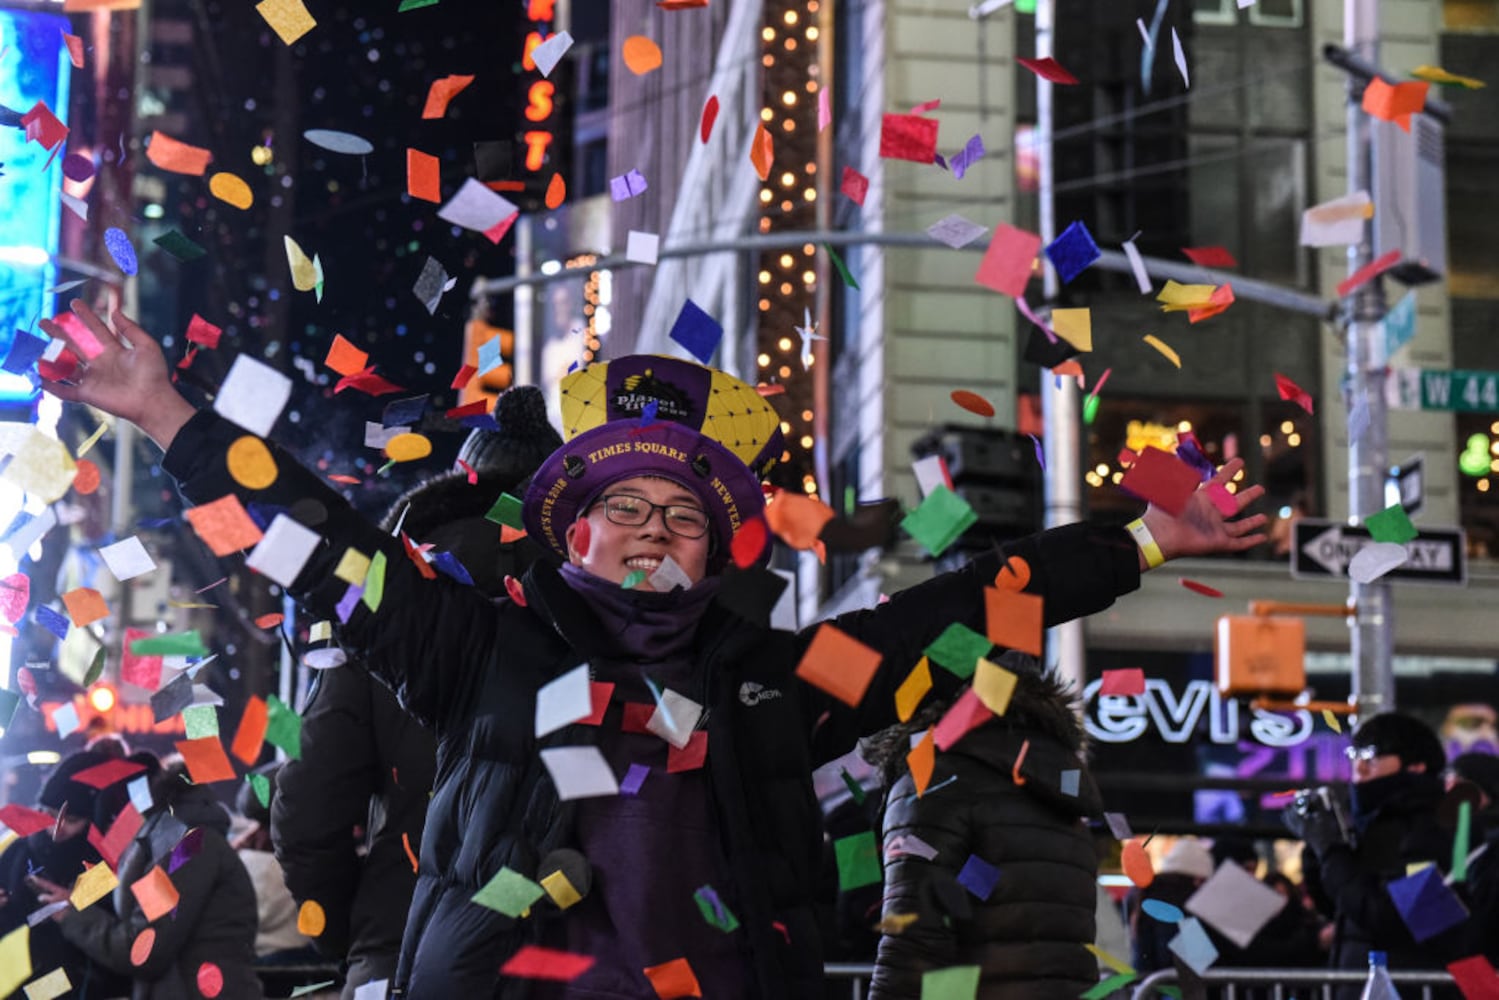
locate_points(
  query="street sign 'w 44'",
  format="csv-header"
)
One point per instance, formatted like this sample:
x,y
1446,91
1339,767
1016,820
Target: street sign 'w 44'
x,y
1436,389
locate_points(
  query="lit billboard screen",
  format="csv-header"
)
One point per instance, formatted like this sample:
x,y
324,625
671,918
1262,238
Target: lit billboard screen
x,y
37,68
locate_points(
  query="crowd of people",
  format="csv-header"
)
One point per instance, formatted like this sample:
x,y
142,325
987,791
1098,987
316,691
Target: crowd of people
x,y
665,840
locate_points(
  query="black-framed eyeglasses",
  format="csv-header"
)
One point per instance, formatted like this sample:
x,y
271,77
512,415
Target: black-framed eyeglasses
x,y
632,511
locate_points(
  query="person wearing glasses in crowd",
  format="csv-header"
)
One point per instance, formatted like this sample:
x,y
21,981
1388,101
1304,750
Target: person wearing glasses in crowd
x,y
697,875
1393,799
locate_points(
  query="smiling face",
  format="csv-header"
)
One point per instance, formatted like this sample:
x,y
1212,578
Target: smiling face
x,y
613,551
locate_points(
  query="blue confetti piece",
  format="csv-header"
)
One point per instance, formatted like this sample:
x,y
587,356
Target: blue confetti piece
x,y
633,779
971,153
24,351
697,331
648,413
484,421
1068,781
448,563
489,355
978,876
264,513
1147,55
53,621
1159,909
1040,452
349,602
1073,252
627,186
404,412
121,249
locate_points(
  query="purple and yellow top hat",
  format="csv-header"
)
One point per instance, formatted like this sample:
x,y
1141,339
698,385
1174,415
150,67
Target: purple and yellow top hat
x,y
651,415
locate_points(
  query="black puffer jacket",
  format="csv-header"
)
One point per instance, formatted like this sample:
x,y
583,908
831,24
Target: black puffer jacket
x,y
471,669
365,762
1028,936
215,919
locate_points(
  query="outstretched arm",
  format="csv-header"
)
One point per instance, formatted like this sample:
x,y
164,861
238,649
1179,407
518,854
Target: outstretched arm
x,y
1201,529
127,375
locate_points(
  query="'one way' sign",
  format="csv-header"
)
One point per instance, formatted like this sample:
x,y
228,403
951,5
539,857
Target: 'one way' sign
x,y
1324,548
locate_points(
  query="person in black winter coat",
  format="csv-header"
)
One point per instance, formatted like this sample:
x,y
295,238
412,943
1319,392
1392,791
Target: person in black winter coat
x,y
1029,934
1396,789
1481,770
204,945
365,762
675,795
59,854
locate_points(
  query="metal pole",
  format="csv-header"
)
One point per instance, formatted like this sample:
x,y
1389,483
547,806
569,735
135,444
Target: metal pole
x,y
1060,411
1372,636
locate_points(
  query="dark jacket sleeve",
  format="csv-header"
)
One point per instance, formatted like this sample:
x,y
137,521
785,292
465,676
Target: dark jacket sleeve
x,y
427,634
322,796
1359,892
930,942
1077,570
107,938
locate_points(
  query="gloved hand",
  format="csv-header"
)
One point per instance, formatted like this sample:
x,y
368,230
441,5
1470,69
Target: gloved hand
x,y
1316,826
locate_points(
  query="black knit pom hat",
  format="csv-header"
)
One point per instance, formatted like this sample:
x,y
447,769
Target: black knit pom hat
x,y
524,440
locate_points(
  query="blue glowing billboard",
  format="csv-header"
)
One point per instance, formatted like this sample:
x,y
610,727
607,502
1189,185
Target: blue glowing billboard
x,y
35,68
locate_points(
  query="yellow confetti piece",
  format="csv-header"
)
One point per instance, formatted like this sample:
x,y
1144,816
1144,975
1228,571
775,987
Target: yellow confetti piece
x,y
92,886
353,567
1164,348
304,273
92,439
1329,717
250,463
189,604
1435,74
311,920
1178,297
15,958
895,923
41,466
289,18
994,685
228,188
913,689
321,631
1074,326
407,447
1117,964
561,890
49,987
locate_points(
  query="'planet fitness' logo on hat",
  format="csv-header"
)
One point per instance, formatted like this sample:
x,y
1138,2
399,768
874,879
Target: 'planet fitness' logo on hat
x,y
639,391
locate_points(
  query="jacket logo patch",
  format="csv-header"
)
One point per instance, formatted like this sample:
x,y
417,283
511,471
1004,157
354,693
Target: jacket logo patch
x,y
751,694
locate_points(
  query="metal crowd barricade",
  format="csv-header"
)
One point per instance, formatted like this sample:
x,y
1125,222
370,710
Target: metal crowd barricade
x,y
857,974
1277,983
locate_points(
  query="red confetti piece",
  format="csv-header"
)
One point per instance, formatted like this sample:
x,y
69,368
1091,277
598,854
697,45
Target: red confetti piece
x,y
86,479
465,373
15,594
710,115
1200,588
473,475
536,962
1368,273
346,480
477,408
1210,256
1098,386
270,621
515,590
1049,69
855,185
210,980
973,402
749,542
1123,683
770,390
1294,393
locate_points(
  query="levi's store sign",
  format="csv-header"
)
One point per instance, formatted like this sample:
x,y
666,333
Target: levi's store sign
x,y
1175,712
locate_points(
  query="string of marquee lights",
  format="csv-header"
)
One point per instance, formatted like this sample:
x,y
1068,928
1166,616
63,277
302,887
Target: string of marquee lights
x,y
786,280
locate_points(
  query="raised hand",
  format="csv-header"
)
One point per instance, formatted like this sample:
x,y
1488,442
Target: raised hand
x,y
1201,529
126,376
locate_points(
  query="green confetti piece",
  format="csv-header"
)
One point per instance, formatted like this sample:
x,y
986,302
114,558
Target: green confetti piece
x,y
201,721
940,520
1090,410
179,246
1109,985
374,583
713,910
848,279
262,786
858,860
958,982
1461,840
958,649
509,892
95,667
302,991
854,788
9,701
386,467
283,727
635,579
1391,525
1173,992
172,644
506,511
415,5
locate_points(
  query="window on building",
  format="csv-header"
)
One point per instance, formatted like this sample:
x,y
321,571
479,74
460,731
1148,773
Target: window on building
x,y
1471,15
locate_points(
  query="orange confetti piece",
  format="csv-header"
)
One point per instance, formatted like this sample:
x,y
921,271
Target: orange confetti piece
x,y
75,49
1200,588
1068,367
762,152
1014,619
641,55
344,358
922,760
311,920
767,391
346,480
155,893
250,463
797,520
176,156
973,402
1015,574
441,92
1015,774
410,854
1136,864
140,948
206,760
1395,102
85,606
556,191
86,479
250,735
673,979
839,664
224,525
509,534
231,190
270,621
423,176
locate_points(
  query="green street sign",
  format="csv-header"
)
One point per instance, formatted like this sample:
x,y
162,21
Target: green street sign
x,y
1433,389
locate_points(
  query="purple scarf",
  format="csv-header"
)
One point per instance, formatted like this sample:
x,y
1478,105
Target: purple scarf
x,y
648,627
